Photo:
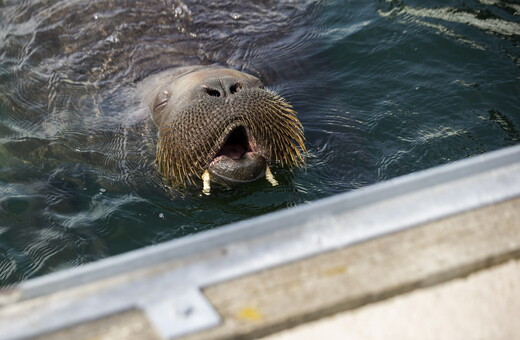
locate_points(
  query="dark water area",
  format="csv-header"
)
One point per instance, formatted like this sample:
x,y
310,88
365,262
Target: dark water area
x,y
382,88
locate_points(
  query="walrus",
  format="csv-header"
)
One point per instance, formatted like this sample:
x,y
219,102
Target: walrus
x,y
220,125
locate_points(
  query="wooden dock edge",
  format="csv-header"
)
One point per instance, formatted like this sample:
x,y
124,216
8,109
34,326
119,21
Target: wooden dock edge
x,y
348,278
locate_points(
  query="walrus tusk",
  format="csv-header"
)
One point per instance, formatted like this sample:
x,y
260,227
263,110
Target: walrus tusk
x,y
206,187
269,176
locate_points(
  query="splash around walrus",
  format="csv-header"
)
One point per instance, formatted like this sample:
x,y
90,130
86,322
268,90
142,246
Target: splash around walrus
x,y
220,125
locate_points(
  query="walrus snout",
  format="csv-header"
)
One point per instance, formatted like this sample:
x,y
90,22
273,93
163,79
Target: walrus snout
x,y
218,124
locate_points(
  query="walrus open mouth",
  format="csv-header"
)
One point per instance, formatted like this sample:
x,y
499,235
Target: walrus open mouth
x,y
236,145
238,160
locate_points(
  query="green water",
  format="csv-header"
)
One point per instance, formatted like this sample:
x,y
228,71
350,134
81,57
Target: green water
x,y
383,89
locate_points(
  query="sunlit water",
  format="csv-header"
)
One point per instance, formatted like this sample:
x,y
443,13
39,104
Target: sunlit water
x,y
383,88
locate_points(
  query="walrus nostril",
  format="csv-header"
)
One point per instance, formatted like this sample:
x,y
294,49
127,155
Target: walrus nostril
x,y
235,88
213,92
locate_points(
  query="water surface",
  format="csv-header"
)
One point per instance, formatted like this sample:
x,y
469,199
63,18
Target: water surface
x,y
383,88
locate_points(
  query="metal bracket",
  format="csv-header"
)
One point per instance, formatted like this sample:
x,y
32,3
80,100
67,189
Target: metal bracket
x,y
172,309
186,312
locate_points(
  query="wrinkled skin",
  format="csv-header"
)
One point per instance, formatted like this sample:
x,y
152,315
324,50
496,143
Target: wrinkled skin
x,y
234,152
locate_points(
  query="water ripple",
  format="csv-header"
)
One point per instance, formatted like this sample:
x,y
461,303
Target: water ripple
x,y
382,89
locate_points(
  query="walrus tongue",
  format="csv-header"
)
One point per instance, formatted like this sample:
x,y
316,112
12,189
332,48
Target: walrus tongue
x,y
233,151
236,145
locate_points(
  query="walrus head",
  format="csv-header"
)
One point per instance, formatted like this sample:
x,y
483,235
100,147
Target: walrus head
x,y
220,124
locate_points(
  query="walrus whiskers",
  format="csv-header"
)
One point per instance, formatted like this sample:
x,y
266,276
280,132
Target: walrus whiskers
x,y
184,150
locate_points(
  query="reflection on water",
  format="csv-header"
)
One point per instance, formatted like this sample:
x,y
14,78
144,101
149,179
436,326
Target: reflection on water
x,y
488,17
382,88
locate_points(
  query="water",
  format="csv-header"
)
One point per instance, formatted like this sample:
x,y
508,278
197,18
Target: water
x,y
383,88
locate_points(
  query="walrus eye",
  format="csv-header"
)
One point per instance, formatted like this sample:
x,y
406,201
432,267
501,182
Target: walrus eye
x,y
161,100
